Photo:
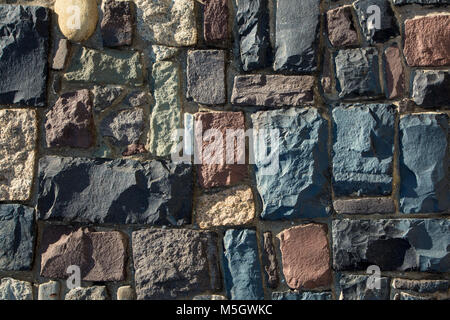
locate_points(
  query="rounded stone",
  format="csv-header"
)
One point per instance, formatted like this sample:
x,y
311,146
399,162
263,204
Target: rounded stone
x,y
77,19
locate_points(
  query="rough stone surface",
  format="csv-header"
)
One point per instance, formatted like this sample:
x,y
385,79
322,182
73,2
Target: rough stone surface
x,y
243,279
305,256
101,256
161,53
341,31
12,289
125,127
305,295
421,286
297,30
231,207
59,59
49,291
117,23
269,261
18,134
408,297
357,72
424,163
166,113
391,244
151,192
364,206
215,170
393,71
430,88
427,41
296,187
126,293
215,20
89,293
134,149
206,76
24,34
273,90
174,263
209,297
16,237
69,123
388,27
108,66
363,146
402,2
252,20
357,287
136,99
88,17
167,22
105,96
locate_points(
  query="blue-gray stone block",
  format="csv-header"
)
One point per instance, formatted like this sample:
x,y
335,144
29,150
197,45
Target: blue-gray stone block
x,y
363,146
16,237
424,163
298,187
243,279
357,287
294,295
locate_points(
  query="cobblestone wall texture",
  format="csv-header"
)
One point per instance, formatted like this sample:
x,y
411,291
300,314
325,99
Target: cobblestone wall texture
x,y
87,116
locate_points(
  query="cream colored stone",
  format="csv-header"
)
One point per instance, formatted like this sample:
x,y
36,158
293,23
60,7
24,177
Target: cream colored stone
x,y
77,24
167,22
17,153
231,207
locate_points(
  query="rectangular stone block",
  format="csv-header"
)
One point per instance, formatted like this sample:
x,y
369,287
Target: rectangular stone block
x,y
393,72
215,20
364,206
273,90
358,287
117,23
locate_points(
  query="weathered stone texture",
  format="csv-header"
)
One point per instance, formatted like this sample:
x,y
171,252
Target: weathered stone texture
x,y
341,31
12,289
89,293
18,134
364,206
117,23
306,256
430,88
363,146
174,263
305,295
393,71
292,183
88,17
215,20
273,90
24,35
424,163
61,53
105,96
358,287
49,291
125,127
119,191
231,207
243,279
269,260
421,286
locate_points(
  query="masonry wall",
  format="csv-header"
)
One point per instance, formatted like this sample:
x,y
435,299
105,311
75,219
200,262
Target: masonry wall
x,y
354,205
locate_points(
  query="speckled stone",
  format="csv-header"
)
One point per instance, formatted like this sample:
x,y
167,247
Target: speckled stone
x,y
393,71
117,23
355,287
341,31
12,289
364,205
305,295
215,20
89,293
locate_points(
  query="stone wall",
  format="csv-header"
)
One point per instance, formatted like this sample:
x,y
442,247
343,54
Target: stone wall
x,y
87,178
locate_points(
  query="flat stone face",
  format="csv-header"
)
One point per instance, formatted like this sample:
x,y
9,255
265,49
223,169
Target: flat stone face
x,y
105,96
357,287
423,163
292,184
108,66
363,146
49,291
364,206
421,286
273,90
306,256
17,237
215,170
357,72
391,244
12,289
18,135
174,263
166,112
89,293
269,261
305,295
430,88
215,20
117,23
69,123
393,71
242,271
252,20
387,28
59,60
297,30
151,192
126,293
167,22
231,207
206,76
427,41
125,127
24,34
341,31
